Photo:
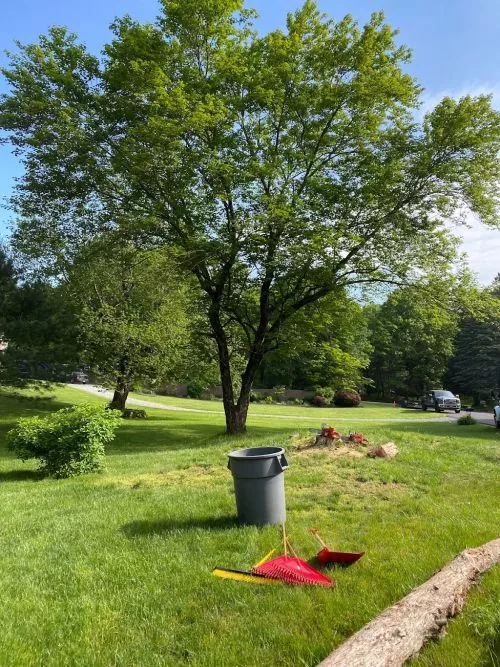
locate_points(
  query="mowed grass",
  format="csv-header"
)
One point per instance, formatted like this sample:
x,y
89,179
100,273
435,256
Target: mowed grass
x,y
114,569
367,411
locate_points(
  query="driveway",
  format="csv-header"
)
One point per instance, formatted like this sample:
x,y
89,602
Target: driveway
x,y
482,417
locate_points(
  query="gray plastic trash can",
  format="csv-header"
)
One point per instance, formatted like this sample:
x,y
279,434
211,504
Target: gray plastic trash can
x,y
259,484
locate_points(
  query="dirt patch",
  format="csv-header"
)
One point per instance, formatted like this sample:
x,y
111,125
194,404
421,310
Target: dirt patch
x,y
198,475
332,453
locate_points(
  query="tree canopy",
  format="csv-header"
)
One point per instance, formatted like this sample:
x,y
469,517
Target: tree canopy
x,y
326,344
38,324
131,310
282,166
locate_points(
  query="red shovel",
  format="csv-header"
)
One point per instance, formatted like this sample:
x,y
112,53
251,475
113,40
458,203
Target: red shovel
x,y
327,557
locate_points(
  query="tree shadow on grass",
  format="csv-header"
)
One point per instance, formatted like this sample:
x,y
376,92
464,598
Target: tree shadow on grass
x,y
174,436
21,476
164,527
478,431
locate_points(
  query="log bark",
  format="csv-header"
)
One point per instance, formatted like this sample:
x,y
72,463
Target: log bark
x,y
387,451
400,631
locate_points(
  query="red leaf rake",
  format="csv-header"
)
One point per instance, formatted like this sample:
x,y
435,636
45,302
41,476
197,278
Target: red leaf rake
x,y
292,570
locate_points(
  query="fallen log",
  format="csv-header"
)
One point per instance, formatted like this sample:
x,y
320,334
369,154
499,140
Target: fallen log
x,y
400,631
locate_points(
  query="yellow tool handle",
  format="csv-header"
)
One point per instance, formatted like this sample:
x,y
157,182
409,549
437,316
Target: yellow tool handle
x,y
239,575
265,559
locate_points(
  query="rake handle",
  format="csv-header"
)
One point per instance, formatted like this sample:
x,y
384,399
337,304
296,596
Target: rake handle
x,y
291,548
314,531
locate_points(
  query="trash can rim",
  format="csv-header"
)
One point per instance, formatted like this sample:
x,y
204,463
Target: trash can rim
x,y
243,453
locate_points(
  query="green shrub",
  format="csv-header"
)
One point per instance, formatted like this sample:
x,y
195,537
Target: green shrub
x,y
320,401
297,401
255,397
279,393
347,399
269,399
466,420
67,442
196,388
327,392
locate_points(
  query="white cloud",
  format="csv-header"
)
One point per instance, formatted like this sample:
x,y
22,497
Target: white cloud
x,y
430,100
482,245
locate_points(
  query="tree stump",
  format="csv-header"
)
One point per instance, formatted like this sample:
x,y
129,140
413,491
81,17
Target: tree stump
x,y
323,441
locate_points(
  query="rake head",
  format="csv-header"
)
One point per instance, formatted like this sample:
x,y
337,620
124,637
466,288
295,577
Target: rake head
x,y
293,571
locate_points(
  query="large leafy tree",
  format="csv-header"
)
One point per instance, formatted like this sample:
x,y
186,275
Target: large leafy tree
x,y
38,323
326,344
475,366
414,332
132,315
413,335
285,166
7,288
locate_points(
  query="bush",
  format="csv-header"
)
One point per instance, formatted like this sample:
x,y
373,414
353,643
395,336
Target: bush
x,y
346,399
279,393
255,397
67,442
320,401
297,401
466,420
196,389
327,392
129,413
269,399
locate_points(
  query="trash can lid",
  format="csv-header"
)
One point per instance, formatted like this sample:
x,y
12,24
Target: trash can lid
x,y
256,453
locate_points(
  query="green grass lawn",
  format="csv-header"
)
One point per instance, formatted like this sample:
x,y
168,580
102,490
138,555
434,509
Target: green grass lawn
x,y
114,569
365,412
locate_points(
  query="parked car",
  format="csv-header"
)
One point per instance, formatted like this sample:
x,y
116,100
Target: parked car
x,y
78,377
496,415
440,400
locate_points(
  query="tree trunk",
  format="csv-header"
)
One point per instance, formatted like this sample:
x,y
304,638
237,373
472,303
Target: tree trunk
x,y
236,420
400,631
120,396
236,413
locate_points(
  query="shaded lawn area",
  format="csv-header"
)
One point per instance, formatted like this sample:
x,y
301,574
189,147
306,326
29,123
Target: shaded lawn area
x,y
114,569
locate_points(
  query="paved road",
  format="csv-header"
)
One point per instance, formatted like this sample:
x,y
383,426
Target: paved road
x,y
482,417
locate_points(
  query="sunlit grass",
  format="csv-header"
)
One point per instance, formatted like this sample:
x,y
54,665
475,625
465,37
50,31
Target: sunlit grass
x,y
366,411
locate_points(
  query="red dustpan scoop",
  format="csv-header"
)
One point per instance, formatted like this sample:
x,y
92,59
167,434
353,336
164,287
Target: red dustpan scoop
x,y
293,571
326,556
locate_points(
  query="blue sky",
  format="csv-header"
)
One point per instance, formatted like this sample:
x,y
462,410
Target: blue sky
x,y
456,50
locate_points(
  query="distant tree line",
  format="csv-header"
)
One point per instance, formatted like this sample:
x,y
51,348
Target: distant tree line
x,y
131,319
